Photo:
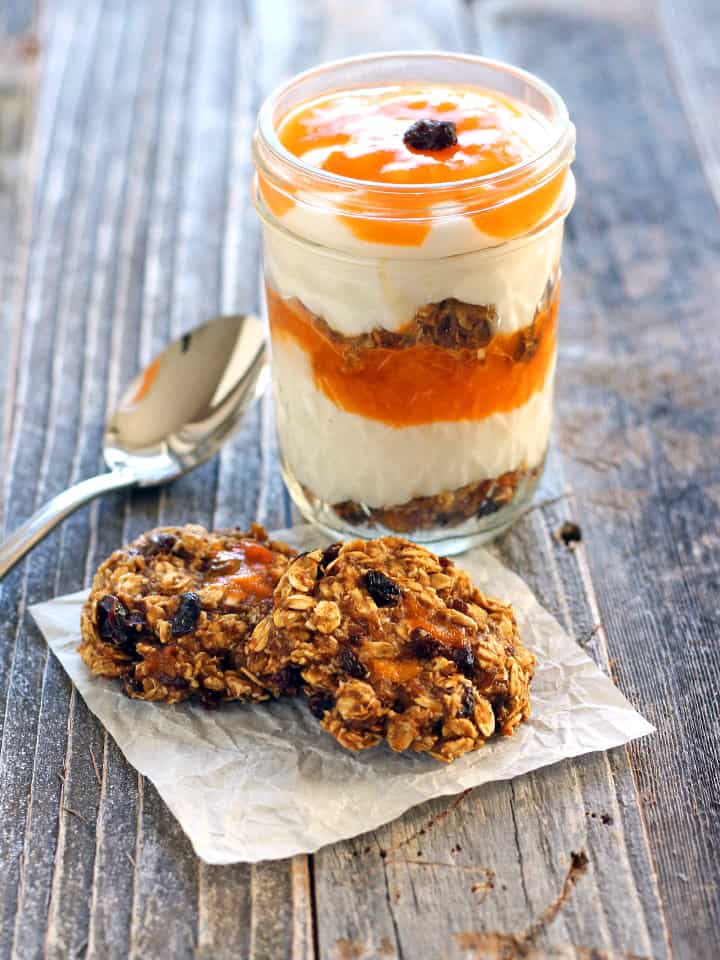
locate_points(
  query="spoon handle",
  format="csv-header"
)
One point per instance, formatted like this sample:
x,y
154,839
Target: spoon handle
x,y
55,510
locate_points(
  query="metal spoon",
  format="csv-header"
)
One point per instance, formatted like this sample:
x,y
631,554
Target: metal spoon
x,y
173,417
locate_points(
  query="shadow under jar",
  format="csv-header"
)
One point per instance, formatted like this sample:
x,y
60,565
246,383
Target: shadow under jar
x,y
413,208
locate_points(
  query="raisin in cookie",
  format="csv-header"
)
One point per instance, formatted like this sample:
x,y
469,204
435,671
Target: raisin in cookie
x,y
394,643
170,613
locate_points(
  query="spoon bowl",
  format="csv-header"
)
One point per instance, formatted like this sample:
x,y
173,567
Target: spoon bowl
x,y
174,416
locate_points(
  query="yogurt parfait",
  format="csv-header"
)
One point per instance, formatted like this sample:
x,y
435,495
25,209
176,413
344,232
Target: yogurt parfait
x,y
412,208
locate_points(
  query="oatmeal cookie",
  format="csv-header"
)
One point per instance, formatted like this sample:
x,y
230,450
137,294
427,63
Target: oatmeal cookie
x,y
393,643
170,614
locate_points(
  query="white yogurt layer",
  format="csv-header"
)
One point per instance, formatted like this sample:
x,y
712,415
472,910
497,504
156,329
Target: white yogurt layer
x,y
356,295
342,456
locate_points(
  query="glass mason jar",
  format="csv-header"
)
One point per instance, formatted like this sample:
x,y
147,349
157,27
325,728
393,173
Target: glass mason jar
x,y
413,326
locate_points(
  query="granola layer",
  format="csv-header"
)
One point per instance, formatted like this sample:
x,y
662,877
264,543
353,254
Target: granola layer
x,y
446,509
169,615
393,643
450,324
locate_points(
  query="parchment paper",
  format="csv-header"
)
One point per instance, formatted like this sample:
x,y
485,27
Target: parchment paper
x,y
251,783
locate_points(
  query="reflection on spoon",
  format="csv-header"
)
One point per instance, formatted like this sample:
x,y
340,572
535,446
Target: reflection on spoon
x,y
173,416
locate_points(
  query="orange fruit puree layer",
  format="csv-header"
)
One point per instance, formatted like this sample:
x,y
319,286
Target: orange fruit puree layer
x,y
245,572
358,133
423,383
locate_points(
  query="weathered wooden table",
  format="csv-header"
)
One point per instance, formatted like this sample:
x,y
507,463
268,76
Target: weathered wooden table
x,y
125,217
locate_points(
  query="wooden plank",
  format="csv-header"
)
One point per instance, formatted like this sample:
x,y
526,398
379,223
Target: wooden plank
x,y
24,672
690,34
76,871
17,87
123,870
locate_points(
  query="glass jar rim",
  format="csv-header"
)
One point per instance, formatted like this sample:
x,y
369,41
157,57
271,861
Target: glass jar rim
x,y
557,152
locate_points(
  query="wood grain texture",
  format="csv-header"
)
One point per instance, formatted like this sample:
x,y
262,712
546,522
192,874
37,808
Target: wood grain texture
x,y
127,219
690,34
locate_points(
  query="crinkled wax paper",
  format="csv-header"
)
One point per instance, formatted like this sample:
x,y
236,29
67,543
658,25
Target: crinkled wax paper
x,y
260,782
